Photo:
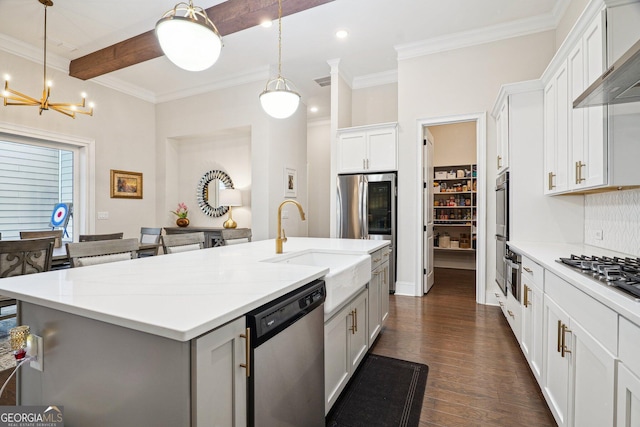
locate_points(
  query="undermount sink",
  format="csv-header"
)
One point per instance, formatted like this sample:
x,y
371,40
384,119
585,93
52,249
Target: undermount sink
x,y
347,272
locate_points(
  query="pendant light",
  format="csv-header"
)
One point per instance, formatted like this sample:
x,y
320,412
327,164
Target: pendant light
x,y
188,37
278,99
13,97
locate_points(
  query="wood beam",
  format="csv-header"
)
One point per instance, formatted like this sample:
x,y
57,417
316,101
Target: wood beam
x,y
229,17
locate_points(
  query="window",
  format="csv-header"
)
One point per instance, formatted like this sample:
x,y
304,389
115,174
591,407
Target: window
x,y
33,179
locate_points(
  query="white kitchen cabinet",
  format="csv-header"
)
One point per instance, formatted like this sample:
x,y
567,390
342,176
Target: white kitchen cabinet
x,y
378,293
556,131
579,363
502,142
514,316
587,157
345,345
219,381
532,279
628,378
368,148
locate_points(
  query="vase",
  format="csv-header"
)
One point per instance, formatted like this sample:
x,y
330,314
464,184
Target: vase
x,y
182,222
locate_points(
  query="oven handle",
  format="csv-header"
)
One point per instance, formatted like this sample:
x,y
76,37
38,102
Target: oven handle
x,y
511,264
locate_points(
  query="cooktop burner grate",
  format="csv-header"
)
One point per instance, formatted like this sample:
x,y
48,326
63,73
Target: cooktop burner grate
x,y
621,273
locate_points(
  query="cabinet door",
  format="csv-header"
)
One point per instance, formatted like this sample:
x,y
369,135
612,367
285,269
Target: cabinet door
x,y
592,385
556,365
381,155
628,398
536,325
556,124
219,382
374,304
359,337
576,81
352,149
502,143
384,292
336,355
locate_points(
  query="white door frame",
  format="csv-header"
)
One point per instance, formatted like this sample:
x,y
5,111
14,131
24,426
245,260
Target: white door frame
x,y
481,154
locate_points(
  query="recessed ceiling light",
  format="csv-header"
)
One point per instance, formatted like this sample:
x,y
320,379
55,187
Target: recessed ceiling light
x,y
313,109
267,23
342,34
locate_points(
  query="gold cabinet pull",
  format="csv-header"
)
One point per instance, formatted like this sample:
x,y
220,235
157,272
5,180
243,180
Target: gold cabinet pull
x,y
511,313
527,269
559,335
499,162
501,303
551,176
353,323
355,316
579,166
526,296
564,348
247,351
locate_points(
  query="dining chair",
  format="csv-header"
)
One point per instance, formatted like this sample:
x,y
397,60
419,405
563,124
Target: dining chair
x,y
43,233
98,237
232,236
149,236
174,243
83,254
20,257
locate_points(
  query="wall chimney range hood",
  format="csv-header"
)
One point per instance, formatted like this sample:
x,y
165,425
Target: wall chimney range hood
x,y
619,84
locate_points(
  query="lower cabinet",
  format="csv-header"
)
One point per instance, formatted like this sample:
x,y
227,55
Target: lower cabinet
x,y
378,293
579,372
219,382
628,407
345,345
531,341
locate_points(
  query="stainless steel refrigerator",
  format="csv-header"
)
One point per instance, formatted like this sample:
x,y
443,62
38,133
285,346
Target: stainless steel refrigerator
x,y
366,208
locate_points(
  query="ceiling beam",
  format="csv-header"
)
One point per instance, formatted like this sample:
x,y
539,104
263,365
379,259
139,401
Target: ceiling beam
x,y
229,17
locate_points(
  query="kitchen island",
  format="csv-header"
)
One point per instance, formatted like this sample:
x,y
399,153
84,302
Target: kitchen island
x,y
120,339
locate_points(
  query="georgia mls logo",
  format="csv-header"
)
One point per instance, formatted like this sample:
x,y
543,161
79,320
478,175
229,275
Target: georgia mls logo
x,y
31,416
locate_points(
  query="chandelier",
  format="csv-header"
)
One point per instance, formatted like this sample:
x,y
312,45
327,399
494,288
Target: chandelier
x,y
188,37
279,99
13,97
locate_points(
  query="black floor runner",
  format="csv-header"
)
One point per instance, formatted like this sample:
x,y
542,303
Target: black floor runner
x,y
384,392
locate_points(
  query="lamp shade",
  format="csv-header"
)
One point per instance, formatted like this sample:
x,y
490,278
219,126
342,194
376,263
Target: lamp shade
x,y
191,45
230,197
278,99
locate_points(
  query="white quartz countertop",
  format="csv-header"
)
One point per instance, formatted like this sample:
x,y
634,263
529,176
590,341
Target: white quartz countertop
x,y
546,255
179,296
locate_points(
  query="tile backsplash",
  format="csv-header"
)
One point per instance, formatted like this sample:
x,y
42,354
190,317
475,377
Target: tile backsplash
x,y
616,215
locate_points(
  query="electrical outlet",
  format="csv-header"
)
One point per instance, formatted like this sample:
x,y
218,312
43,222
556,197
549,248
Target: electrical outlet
x,y
35,348
597,234
103,215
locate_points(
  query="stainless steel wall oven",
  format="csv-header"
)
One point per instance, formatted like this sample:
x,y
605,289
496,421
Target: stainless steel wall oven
x,y
502,229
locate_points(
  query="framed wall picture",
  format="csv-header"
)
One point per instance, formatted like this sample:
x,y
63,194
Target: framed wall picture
x,y
126,185
290,182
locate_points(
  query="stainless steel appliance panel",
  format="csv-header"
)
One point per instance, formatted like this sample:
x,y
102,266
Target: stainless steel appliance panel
x,y
501,266
366,209
502,229
513,263
286,381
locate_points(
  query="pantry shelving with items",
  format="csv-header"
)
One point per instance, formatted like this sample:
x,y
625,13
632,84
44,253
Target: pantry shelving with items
x,y
454,207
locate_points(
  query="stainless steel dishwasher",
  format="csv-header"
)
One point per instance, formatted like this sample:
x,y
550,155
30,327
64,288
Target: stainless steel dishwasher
x,y
286,373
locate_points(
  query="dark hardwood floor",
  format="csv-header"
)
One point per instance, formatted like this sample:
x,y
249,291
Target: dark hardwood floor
x,y
477,374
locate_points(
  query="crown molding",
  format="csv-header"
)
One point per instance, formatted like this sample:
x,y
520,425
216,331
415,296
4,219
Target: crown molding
x,y
32,53
376,79
489,34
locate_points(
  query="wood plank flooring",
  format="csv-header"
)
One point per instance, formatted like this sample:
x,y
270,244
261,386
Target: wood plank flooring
x,y
477,374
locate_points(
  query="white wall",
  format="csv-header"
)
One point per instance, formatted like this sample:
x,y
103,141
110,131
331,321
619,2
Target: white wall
x,y
450,83
319,172
617,216
376,104
275,144
571,15
230,152
455,144
123,128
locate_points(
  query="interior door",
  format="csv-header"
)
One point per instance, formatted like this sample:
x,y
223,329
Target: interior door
x,y
427,197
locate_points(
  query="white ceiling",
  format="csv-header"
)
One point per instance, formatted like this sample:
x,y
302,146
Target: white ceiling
x,y
380,31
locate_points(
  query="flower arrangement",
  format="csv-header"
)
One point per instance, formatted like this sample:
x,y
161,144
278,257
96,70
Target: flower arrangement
x,y
182,210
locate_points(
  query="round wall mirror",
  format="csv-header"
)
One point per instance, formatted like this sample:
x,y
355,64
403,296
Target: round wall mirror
x,y
208,189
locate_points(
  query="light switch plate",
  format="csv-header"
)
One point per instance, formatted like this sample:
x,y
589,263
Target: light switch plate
x,y
597,234
103,215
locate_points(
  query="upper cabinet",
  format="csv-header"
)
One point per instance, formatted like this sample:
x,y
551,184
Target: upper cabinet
x,y
502,130
586,149
368,148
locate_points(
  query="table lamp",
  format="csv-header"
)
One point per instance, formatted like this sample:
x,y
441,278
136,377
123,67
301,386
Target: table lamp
x,y
230,197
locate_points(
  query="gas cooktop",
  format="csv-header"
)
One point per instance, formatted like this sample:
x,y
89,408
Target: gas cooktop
x,y
620,273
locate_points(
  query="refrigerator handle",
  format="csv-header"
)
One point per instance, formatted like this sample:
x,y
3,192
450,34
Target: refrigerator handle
x,y
364,196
